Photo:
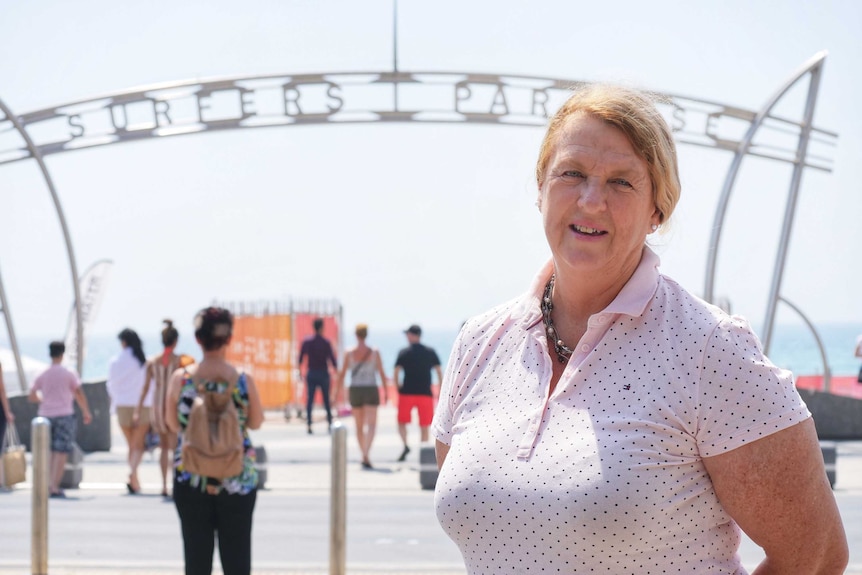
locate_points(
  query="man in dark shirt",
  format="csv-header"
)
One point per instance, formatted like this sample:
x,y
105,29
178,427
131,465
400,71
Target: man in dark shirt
x,y
416,361
319,352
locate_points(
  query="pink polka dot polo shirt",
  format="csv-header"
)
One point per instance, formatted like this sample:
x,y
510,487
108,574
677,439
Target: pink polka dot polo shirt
x,y
606,474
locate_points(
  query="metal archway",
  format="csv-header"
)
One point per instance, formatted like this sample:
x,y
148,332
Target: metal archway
x,y
36,153
194,107
338,98
814,68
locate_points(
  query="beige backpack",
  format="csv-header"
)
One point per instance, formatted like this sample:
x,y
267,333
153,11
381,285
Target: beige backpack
x,y
212,440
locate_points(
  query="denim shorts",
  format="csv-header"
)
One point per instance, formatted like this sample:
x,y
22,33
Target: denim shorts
x,y
62,433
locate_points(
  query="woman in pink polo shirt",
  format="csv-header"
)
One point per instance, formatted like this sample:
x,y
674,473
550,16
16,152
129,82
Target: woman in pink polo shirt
x,y
608,421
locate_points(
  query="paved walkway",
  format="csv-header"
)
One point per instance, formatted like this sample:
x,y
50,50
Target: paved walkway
x,y
391,524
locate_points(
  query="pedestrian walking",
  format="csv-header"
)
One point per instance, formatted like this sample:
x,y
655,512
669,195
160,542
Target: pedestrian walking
x,y
365,365
417,361
158,371
125,382
318,353
56,390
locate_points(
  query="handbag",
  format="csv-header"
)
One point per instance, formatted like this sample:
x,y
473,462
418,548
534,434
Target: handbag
x,y
14,462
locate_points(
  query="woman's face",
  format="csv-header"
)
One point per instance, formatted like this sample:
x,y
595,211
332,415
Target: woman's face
x,y
597,200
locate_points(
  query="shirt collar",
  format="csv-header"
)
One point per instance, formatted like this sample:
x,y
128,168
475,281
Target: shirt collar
x,y
530,311
632,299
640,289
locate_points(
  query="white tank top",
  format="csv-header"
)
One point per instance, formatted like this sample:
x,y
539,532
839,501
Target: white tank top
x,y
363,374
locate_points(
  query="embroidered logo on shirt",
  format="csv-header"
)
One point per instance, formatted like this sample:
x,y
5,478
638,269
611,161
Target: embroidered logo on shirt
x,y
627,386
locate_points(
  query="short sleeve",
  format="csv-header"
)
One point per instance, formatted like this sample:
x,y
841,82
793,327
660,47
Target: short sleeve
x,y
37,383
441,426
111,384
743,396
74,381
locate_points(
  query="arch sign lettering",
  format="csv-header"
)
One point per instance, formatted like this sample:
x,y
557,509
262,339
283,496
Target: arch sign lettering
x,y
339,98
344,98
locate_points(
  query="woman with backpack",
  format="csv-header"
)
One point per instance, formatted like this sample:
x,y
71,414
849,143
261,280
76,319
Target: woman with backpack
x,y
215,480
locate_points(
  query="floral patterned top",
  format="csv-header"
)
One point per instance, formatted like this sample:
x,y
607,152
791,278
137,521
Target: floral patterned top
x,y
241,484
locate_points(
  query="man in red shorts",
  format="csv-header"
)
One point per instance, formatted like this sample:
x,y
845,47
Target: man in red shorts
x,y
417,361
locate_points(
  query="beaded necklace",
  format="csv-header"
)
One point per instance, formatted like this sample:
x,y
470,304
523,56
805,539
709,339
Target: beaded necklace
x,y
561,349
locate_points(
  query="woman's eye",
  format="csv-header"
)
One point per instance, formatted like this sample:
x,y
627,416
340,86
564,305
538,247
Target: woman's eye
x,y
572,174
621,182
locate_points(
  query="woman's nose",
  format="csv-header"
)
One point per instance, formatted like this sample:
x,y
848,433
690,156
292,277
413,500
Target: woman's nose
x,y
592,195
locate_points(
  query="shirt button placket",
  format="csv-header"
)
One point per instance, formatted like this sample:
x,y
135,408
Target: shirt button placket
x,y
528,441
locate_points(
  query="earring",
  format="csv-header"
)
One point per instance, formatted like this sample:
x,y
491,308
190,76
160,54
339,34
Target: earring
x,y
654,227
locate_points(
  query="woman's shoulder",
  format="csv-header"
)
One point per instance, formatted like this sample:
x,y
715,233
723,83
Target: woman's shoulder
x,y
125,355
699,316
679,301
496,324
226,373
513,310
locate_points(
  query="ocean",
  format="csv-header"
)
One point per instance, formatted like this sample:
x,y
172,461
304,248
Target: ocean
x,y
101,348
793,348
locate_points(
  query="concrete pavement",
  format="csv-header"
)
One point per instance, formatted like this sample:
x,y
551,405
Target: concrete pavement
x,y
391,528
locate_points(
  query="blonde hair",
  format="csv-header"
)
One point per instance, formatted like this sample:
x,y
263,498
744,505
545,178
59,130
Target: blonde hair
x,y
361,330
634,112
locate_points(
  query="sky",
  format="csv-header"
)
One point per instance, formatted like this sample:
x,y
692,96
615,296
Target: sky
x,y
404,223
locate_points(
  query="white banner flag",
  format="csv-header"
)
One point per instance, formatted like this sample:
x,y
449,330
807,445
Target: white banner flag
x,y
92,288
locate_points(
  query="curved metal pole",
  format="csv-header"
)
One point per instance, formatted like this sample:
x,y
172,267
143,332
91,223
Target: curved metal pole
x,y
712,253
69,251
13,341
790,208
394,35
395,54
827,373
